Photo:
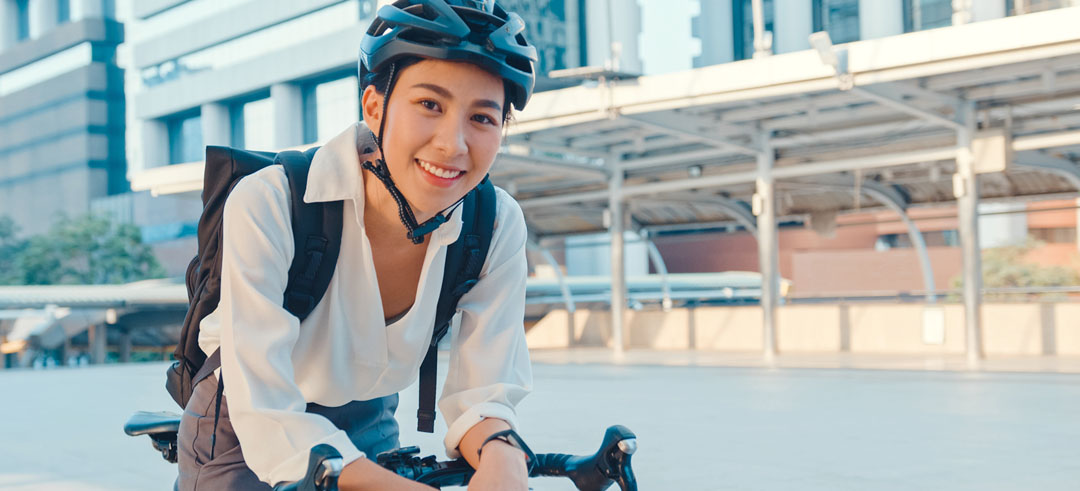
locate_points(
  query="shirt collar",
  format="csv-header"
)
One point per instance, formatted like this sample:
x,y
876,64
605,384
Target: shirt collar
x,y
335,175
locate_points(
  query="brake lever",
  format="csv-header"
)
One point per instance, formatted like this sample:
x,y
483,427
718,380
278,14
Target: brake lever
x,y
609,465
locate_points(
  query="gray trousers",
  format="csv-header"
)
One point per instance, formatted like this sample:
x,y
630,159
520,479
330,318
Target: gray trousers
x,y
370,425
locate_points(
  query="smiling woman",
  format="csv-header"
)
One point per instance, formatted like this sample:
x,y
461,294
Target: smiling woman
x,y
439,78
441,134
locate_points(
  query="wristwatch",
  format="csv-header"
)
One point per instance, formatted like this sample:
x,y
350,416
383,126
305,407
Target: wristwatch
x,y
511,437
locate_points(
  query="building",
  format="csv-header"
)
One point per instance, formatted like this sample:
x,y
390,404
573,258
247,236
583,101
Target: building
x,y
267,74
61,109
725,27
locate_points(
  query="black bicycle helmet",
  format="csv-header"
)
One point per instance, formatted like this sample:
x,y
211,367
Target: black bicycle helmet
x,y
475,31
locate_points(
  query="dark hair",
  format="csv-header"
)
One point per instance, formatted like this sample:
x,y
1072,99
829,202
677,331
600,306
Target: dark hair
x,y
381,80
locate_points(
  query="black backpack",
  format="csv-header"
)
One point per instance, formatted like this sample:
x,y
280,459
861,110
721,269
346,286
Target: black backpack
x,y
317,238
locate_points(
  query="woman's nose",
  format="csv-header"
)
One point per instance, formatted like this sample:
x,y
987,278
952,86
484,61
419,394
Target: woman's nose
x,y
450,137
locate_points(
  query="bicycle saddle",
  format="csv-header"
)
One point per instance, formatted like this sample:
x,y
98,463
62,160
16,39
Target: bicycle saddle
x,y
145,422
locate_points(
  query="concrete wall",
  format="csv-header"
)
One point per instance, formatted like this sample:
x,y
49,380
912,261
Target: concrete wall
x,y
1009,329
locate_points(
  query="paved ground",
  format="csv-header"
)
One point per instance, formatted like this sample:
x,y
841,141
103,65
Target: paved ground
x,y
700,426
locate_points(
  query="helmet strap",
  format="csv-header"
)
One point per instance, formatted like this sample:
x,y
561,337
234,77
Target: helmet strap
x,y
380,170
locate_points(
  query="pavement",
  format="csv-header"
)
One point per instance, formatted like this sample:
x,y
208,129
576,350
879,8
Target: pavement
x,y
703,422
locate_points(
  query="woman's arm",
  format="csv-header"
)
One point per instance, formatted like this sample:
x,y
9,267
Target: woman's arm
x,y
489,370
257,335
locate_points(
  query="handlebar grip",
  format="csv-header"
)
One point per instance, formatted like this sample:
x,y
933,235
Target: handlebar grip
x,y
324,467
597,472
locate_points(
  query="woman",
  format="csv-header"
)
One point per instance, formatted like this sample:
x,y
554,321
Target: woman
x,y
453,68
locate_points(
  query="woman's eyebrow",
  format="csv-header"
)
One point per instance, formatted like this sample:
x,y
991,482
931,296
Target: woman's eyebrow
x,y
488,103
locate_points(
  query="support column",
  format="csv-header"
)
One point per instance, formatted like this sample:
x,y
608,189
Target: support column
x,y
880,18
154,134
125,346
98,342
961,11
618,249
216,127
65,352
9,24
763,40
288,102
43,17
966,190
768,244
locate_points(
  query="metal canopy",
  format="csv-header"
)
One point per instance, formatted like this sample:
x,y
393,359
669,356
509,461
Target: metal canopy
x,y
785,132
693,134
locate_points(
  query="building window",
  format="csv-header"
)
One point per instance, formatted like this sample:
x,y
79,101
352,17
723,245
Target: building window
x,y
63,11
185,139
839,17
935,238
920,15
253,124
330,107
263,42
743,19
1059,235
22,20
1020,7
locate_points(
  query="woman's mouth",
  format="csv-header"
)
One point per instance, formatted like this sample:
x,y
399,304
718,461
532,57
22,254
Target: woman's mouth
x,y
439,172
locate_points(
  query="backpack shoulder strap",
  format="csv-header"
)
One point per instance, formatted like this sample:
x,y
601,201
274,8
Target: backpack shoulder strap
x,y
316,236
464,260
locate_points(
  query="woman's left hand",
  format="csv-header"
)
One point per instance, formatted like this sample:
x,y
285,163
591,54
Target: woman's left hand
x,y
502,468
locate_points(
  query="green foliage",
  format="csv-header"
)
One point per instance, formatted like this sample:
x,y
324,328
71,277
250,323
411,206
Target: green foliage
x,y
1007,267
10,248
86,250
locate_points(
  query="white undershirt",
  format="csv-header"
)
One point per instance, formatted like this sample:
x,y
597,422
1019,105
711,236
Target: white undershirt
x,y
344,351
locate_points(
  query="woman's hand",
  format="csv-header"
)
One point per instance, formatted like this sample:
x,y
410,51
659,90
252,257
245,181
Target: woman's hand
x,y
363,475
502,467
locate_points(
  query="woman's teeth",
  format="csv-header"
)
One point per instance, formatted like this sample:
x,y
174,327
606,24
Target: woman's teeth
x,y
443,173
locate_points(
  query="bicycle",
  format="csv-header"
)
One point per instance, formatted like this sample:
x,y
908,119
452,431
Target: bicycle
x,y
597,472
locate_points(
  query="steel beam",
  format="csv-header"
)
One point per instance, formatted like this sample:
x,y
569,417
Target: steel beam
x,y
553,163
1064,168
966,191
768,245
691,134
734,208
895,201
618,249
906,107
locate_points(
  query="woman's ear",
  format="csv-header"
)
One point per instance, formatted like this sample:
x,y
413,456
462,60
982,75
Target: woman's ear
x,y
371,106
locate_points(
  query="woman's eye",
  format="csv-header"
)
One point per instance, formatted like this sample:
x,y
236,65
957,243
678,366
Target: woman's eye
x,y
429,104
483,118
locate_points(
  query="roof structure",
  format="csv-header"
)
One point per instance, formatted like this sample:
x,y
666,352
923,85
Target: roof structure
x,y
687,142
982,111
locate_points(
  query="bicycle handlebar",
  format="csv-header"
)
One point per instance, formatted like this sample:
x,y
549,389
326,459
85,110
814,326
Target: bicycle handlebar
x,y
324,467
597,472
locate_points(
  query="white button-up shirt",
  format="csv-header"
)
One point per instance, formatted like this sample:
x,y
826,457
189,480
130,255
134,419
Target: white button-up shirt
x,y
273,365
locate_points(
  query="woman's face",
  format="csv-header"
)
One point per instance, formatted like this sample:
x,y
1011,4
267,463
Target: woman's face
x,y
443,129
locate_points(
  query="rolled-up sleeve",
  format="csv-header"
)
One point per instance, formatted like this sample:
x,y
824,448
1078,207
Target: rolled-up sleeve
x,y
257,335
489,372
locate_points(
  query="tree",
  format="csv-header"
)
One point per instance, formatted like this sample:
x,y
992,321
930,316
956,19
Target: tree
x,y
87,249
1007,267
10,247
